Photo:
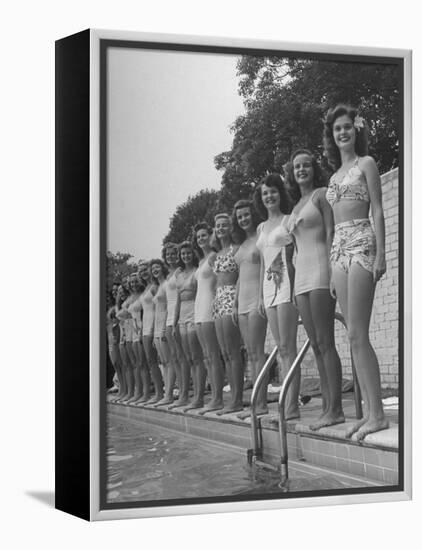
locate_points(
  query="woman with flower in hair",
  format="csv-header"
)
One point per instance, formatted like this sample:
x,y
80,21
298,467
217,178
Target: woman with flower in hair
x,y
311,224
277,278
228,335
253,326
177,358
186,286
204,322
148,326
358,250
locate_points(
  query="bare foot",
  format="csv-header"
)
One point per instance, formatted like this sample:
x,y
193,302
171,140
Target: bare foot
x,y
194,405
248,413
155,399
230,409
370,427
327,420
164,401
212,406
350,431
179,403
133,399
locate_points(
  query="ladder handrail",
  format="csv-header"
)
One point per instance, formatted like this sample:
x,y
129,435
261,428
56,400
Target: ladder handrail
x,y
257,447
284,472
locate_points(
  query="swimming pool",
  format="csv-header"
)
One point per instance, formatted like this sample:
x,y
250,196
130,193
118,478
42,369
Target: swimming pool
x,y
147,463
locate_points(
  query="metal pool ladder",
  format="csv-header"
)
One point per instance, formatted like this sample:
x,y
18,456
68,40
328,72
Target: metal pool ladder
x,y
255,454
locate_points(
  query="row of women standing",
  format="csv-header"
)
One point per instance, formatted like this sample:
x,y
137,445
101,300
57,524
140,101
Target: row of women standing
x,y
225,285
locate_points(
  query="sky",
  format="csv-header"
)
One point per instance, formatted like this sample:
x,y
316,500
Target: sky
x,y
169,115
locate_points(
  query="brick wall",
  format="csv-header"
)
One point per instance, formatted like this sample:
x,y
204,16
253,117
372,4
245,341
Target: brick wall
x,y
384,320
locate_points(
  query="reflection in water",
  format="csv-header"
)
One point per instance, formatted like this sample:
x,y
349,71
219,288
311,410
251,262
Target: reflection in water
x,y
145,465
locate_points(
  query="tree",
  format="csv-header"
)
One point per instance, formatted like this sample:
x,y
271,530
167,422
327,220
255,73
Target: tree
x,y
200,207
118,265
286,101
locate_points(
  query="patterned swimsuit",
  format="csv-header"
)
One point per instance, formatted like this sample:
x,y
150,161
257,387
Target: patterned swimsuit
x,y
354,240
225,295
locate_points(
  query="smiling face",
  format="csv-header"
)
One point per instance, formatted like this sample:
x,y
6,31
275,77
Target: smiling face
x,y
143,272
186,255
270,197
157,270
344,133
172,256
303,170
202,238
244,218
222,227
133,282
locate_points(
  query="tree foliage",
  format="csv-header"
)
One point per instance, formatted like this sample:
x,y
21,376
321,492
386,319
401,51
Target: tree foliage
x,y
118,265
200,207
286,101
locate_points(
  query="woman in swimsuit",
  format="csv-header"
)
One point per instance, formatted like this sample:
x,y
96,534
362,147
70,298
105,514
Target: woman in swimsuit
x,y
170,254
358,252
125,336
159,273
113,338
133,321
148,322
277,277
228,335
253,326
311,224
142,376
205,328
186,285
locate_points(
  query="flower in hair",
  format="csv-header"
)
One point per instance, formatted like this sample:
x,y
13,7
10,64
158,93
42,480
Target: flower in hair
x,y
358,123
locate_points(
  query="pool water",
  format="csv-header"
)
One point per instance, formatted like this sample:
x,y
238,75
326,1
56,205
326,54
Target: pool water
x,y
147,463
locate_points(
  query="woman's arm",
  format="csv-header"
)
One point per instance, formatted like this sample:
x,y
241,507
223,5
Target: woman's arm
x,y
328,220
290,268
370,170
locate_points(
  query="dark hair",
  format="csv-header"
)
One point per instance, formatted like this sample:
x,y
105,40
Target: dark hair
x,y
239,234
292,187
197,249
166,246
158,261
272,180
331,150
187,244
215,240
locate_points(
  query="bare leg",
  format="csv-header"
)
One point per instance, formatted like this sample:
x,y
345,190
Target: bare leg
x,y
117,364
157,379
144,374
357,289
184,368
137,393
199,369
169,372
283,324
253,328
208,340
317,311
229,338
124,362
